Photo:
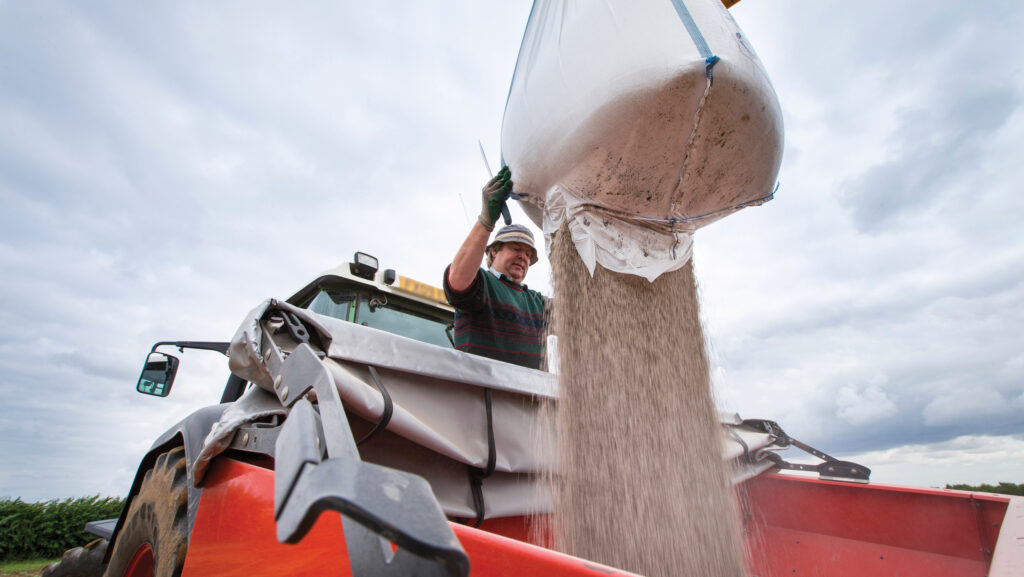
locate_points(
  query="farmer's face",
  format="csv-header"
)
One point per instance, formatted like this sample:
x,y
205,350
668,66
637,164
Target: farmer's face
x,y
513,260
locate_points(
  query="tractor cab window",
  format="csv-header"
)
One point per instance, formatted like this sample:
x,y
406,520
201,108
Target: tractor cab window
x,y
334,302
377,309
400,318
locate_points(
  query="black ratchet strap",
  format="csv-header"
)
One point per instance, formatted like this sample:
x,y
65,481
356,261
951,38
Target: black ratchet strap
x,y
294,326
477,475
389,408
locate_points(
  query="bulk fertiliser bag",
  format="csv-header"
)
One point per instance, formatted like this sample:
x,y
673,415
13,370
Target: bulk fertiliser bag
x,y
638,121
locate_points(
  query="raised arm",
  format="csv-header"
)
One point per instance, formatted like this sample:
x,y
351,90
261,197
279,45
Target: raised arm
x,y
467,260
471,253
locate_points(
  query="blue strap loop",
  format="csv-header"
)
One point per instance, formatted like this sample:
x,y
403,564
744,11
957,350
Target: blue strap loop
x,y
695,33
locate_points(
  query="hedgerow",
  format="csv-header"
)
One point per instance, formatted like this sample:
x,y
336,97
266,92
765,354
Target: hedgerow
x,y
1002,488
47,529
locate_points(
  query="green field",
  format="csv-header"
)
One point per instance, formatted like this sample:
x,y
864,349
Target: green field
x,y
24,568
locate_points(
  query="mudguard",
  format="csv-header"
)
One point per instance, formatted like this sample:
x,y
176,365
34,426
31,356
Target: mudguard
x,y
188,433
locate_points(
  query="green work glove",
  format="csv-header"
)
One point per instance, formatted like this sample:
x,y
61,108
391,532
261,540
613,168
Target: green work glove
x,y
495,192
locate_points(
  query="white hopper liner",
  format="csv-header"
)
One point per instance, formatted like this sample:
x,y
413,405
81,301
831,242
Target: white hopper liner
x,y
614,124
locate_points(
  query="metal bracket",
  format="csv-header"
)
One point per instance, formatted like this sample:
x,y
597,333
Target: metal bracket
x,y
294,326
256,439
379,505
831,469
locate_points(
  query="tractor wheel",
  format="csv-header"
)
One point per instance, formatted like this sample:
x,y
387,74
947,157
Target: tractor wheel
x,y
84,561
154,538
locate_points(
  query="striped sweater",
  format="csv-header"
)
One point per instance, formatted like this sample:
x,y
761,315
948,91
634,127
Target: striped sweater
x,y
499,319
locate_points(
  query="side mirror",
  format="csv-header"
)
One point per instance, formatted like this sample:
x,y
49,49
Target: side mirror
x,y
157,375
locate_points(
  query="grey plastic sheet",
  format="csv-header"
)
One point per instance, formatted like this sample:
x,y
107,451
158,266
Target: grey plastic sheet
x,y
438,427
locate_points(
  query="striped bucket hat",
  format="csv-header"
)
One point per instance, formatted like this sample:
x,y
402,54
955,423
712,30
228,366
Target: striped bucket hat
x,y
514,233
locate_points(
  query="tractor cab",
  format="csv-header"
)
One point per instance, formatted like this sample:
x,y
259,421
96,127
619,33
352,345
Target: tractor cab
x,y
359,292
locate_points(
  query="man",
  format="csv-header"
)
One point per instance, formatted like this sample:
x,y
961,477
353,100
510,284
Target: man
x,y
496,315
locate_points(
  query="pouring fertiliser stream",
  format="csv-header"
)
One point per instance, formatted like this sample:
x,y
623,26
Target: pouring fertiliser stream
x,y
670,124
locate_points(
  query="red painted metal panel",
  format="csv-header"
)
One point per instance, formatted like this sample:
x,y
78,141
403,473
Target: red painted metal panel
x,y
789,552
235,535
518,528
496,556
794,526
837,529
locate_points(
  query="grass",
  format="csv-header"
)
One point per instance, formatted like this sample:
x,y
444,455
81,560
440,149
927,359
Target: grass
x,y
30,568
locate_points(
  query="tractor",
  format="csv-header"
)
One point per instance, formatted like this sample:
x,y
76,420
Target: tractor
x,y
352,438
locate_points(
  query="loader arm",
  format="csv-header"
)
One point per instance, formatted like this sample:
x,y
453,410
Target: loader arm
x,y
319,469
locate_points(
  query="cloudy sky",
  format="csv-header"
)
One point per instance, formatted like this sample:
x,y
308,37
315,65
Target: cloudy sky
x,y
166,166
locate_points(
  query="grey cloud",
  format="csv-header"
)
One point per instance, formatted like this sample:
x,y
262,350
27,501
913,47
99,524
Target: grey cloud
x,y
863,405
971,459
896,359
962,404
88,363
166,167
934,146
883,283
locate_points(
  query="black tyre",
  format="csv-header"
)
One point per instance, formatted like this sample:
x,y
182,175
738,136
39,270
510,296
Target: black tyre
x,y
154,539
84,561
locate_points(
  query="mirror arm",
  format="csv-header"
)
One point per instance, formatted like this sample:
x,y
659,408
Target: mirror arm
x,y
220,347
